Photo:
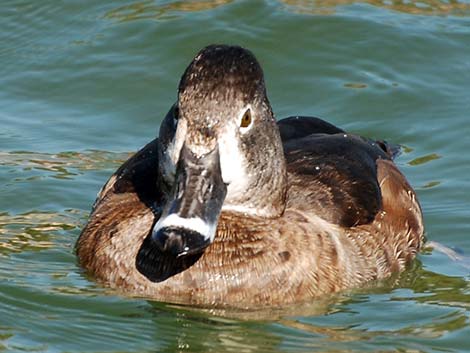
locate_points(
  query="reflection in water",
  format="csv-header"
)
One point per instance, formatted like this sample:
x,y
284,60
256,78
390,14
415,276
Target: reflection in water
x,y
63,165
424,159
320,306
431,184
415,7
35,230
197,330
355,85
150,10
440,290
297,329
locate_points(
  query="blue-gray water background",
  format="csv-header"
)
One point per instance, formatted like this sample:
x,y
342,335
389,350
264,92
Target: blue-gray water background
x,y
85,83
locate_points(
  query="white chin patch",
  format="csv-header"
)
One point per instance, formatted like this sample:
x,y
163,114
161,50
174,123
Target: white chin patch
x,y
195,224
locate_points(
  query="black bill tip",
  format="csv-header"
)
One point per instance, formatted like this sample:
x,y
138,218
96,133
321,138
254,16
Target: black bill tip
x,y
179,241
169,251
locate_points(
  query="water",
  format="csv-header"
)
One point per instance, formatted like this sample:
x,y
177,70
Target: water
x,y
85,83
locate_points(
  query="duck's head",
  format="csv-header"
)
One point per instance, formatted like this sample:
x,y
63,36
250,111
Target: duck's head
x,y
220,150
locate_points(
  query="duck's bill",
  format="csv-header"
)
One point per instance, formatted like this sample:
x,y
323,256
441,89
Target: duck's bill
x,y
188,223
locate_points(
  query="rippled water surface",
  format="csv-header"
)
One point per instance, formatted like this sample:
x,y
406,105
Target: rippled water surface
x,y
85,83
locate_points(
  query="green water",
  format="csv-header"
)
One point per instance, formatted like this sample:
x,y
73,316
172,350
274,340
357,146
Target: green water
x,y
85,83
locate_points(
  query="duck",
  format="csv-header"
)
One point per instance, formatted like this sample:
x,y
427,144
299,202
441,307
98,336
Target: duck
x,y
230,207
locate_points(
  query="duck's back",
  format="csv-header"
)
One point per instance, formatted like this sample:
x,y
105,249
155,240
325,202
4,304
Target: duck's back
x,y
352,182
331,172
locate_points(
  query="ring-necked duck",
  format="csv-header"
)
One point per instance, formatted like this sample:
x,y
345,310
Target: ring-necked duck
x,y
228,207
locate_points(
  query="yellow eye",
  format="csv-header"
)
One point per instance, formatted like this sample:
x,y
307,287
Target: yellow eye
x,y
246,119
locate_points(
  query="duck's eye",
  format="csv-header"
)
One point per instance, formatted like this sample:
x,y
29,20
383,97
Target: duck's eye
x,y
246,119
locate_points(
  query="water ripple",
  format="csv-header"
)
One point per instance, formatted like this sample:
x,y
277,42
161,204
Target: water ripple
x,y
150,10
35,230
63,165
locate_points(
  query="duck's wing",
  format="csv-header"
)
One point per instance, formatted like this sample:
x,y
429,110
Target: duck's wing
x,y
331,172
137,176
124,204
